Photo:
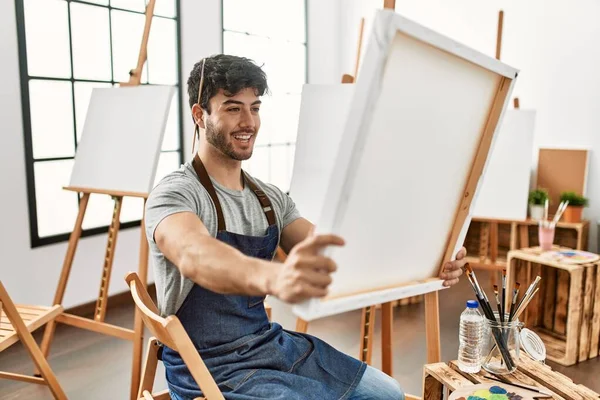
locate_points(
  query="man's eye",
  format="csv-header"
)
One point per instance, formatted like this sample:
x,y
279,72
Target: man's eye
x,y
235,109
256,109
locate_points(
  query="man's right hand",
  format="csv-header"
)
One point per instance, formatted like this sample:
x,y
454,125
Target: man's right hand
x,y
305,273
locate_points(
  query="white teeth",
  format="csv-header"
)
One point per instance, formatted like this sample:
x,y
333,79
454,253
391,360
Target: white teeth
x,y
245,137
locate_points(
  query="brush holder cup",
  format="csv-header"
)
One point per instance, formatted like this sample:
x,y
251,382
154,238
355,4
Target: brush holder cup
x,y
546,237
501,345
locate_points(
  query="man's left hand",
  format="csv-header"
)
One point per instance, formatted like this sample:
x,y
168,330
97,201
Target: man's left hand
x,y
454,269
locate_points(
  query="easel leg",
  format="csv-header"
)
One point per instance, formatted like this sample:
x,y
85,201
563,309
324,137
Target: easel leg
x,y
367,323
432,327
301,325
64,275
387,329
138,340
113,230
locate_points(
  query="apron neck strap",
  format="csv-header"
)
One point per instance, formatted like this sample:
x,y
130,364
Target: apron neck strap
x,y
207,183
262,198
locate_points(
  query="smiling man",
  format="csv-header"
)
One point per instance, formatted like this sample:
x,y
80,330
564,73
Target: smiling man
x,y
213,232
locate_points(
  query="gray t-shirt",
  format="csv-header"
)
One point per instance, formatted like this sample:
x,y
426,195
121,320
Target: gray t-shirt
x,y
181,191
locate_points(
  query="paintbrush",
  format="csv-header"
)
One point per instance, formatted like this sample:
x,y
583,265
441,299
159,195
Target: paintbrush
x,y
479,290
525,303
529,290
561,209
498,302
503,304
514,300
546,210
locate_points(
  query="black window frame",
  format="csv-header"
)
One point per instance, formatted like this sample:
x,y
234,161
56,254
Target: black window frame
x,y
35,239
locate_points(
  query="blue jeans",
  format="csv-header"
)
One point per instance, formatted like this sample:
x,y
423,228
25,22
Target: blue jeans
x,y
374,385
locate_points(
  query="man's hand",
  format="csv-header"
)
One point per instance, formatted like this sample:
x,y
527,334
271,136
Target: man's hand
x,y
452,270
305,273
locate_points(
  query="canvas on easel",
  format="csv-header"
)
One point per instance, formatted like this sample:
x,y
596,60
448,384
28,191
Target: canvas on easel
x,y
121,140
117,156
414,148
505,189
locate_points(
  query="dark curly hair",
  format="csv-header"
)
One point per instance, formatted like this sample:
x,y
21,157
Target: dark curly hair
x,y
227,72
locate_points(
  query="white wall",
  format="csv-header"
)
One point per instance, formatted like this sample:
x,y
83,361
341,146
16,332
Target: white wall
x,y
553,43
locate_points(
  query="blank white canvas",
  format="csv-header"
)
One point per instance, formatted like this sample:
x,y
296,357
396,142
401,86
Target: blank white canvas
x,y
412,133
323,114
122,137
505,188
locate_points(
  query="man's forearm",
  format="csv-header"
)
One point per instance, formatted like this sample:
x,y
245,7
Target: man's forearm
x,y
221,268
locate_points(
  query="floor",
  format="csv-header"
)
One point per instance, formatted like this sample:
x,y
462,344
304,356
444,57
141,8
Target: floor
x,y
92,366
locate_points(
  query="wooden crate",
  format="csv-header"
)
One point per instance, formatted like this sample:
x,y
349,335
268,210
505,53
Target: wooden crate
x,y
441,377
565,313
482,245
488,241
571,235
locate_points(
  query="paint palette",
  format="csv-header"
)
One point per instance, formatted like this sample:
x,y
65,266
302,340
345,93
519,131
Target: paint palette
x,y
571,256
492,391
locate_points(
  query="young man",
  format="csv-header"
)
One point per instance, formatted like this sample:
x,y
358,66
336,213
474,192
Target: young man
x,y
213,232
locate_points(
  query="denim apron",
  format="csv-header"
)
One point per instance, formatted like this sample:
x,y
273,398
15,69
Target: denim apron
x,y
249,357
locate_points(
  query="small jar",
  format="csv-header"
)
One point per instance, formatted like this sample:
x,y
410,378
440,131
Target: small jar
x,y
500,345
546,237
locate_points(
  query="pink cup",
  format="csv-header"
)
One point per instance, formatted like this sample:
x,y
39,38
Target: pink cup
x,y
546,238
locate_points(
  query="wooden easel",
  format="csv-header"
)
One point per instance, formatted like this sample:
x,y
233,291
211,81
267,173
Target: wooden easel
x,y
488,236
97,324
432,320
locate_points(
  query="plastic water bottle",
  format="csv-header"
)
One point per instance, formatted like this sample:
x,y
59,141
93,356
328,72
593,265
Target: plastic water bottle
x,y
470,335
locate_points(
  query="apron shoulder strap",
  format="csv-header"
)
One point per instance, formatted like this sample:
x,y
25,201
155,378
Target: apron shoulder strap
x,y
206,182
262,198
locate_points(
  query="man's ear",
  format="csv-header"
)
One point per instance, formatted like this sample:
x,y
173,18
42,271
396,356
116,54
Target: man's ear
x,y
198,114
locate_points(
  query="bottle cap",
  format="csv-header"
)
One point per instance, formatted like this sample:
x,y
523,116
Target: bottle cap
x,y
472,303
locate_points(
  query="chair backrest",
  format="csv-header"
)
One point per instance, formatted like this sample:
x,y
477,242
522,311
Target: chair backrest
x,y
170,332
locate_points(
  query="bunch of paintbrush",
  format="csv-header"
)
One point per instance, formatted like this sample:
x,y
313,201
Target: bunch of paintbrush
x,y
506,316
489,314
524,302
516,308
546,223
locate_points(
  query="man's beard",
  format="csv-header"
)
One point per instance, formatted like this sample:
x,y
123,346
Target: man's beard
x,y
218,139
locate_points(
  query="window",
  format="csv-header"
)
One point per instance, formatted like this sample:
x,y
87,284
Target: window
x,y
257,29
67,48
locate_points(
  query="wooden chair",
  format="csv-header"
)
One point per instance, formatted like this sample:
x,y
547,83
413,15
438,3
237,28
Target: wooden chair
x,y
170,332
16,323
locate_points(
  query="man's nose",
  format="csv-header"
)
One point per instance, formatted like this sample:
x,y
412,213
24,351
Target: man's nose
x,y
247,121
